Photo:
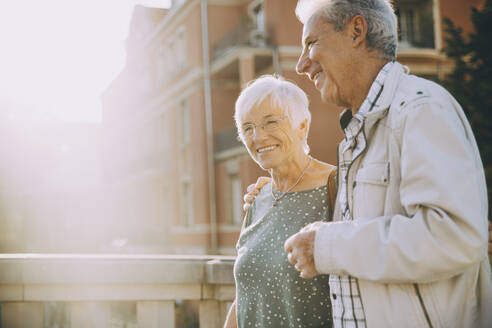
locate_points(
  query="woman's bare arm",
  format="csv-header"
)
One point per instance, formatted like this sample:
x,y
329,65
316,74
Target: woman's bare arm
x,y
230,321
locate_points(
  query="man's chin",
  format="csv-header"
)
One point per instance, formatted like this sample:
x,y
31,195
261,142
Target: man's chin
x,y
332,99
327,98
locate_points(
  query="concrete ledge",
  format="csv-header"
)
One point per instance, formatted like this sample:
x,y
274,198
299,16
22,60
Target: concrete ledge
x,y
115,269
87,277
220,271
130,292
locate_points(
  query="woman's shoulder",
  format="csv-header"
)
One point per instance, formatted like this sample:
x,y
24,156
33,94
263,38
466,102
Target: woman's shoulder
x,y
322,170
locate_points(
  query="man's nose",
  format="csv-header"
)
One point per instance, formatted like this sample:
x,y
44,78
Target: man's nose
x,y
302,63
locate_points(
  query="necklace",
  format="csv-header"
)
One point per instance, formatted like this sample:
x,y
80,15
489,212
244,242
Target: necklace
x,y
282,194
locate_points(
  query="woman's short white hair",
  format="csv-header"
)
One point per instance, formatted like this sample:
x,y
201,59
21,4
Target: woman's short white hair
x,y
379,15
283,94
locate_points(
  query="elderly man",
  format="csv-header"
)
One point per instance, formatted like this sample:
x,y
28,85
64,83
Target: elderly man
x,y
408,244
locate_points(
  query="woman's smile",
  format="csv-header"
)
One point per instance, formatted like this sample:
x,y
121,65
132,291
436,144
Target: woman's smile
x,y
266,149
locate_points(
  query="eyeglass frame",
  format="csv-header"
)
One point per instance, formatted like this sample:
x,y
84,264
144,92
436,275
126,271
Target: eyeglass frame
x,y
262,125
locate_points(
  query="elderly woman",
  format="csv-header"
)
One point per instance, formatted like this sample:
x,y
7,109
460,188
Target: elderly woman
x,y
273,119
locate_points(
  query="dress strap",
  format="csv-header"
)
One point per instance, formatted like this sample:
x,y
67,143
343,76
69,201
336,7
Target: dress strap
x,y
331,192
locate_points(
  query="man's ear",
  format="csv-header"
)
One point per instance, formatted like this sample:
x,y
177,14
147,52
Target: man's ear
x,y
357,30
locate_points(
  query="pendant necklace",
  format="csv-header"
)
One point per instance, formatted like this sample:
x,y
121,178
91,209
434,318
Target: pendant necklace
x,y
282,194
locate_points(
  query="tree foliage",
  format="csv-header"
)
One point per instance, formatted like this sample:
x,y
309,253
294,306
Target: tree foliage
x,y
471,80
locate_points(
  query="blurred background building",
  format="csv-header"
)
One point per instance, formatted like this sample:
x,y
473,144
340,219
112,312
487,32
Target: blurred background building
x,y
169,140
164,172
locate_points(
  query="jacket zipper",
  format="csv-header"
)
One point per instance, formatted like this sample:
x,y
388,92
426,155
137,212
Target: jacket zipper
x,y
350,166
422,305
337,177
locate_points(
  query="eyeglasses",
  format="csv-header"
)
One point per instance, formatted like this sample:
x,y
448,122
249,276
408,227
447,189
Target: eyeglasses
x,y
269,125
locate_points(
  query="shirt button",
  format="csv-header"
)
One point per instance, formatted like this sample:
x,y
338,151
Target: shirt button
x,y
334,296
354,184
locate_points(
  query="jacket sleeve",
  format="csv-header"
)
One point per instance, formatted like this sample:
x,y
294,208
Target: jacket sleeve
x,y
442,191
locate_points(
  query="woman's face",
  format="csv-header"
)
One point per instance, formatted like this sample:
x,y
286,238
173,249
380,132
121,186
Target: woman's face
x,y
269,137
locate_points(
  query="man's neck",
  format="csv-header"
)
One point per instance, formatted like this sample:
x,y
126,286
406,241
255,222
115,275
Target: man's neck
x,y
369,70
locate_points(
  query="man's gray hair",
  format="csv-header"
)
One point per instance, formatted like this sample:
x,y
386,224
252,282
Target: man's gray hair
x,y
379,15
283,94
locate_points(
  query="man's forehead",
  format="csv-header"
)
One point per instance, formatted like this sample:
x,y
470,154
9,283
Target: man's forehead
x,y
313,27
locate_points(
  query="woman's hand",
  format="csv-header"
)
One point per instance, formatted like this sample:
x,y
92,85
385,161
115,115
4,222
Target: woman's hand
x,y
253,190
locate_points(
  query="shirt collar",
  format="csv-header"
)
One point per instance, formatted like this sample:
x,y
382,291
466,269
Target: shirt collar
x,y
371,102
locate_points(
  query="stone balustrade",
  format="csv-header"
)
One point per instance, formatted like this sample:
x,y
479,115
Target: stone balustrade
x,y
87,283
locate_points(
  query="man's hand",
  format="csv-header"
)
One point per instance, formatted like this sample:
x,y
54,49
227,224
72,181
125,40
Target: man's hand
x,y
300,250
253,190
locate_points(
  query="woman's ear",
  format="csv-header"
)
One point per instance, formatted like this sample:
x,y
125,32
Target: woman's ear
x,y
302,129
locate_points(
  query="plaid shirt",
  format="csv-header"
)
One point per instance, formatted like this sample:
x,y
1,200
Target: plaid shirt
x,y
348,310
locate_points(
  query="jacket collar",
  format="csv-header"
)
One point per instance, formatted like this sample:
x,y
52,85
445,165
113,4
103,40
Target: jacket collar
x,y
390,86
387,95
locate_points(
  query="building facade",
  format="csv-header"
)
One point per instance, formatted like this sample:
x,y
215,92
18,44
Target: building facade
x,y
170,144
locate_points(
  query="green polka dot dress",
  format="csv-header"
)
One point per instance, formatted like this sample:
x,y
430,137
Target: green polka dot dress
x,y
269,291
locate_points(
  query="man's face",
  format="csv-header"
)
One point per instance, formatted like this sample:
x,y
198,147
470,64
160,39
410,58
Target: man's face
x,y
325,59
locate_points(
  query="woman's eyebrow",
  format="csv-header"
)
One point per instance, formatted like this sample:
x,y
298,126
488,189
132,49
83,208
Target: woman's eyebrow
x,y
264,117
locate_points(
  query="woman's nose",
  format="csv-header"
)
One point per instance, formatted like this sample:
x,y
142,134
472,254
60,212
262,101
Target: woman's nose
x,y
258,133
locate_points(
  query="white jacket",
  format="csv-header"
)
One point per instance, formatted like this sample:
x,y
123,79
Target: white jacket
x,y
418,241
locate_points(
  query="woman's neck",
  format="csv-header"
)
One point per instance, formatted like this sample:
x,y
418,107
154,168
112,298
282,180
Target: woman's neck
x,y
285,176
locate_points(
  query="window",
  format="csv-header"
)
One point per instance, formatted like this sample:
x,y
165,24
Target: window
x,y
163,135
236,213
185,124
257,14
185,164
186,203
145,83
415,23
176,3
171,56
234,193
161,62
181,57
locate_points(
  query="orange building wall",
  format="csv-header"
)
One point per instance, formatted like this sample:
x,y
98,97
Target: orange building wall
x,y
277,13
455,10
220,192
193,23
223,101
200,160
221,21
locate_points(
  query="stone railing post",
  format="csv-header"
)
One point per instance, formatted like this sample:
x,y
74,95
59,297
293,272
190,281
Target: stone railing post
x,y
216,293
155,314
210,316
22,315
90,314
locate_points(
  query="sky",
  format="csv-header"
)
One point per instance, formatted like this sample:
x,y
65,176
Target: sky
x,y
58,56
